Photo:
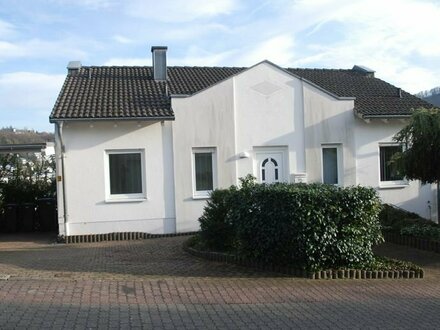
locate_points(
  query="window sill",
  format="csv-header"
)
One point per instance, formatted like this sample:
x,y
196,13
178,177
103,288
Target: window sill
x,y
200,197
125,200
393,185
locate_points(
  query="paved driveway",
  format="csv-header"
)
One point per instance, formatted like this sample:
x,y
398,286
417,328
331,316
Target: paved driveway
x,y
153,284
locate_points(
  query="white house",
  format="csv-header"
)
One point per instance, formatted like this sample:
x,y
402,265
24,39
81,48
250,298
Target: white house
x,y
140,148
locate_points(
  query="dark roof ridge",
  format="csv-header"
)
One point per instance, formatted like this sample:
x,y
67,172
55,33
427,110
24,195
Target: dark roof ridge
x,y
208,67
321,69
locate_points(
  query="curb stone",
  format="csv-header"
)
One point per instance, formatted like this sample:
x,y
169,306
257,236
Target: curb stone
x,y
323,274
412,241
120,236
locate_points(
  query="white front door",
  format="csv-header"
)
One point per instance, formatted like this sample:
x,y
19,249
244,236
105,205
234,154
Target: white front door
x,y
270,167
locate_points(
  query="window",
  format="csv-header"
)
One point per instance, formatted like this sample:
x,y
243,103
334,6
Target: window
x,y
331,162
388,169
269,171
125,174
204,168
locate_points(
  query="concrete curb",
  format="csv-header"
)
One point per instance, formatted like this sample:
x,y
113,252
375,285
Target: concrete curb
x,y
122,236
324,274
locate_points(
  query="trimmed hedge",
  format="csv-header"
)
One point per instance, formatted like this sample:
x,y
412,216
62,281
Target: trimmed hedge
x,y
312,226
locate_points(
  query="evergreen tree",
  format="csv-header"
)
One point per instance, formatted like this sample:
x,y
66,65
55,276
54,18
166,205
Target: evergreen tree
x,y
420,160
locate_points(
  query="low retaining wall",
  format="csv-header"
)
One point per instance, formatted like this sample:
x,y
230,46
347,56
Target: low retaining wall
x,y
324,274
125,236
411,241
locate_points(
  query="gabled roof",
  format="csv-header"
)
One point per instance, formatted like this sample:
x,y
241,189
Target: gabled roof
x,y
374,97
132,93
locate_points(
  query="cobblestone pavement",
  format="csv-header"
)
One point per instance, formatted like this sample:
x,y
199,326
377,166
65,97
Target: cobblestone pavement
x,y
154,284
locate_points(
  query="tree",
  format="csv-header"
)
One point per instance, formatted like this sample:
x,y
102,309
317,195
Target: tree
x,y
420,159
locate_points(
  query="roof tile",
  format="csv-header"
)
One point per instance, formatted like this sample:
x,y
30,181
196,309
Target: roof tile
x,y
131,92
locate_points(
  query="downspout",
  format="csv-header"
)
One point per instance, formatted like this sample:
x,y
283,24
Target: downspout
x,y
438,201
63,180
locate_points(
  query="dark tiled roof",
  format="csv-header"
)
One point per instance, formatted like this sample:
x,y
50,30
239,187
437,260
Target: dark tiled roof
x,y
374,97
112,92
131,92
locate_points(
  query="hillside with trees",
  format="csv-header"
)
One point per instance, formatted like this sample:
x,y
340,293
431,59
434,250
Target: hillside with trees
x,y
11,135
431,96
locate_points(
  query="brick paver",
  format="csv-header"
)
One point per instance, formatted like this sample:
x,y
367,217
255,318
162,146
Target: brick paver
x,y
154,284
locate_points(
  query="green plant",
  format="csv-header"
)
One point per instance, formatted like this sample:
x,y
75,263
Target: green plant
x,y
25,178
399,221
216,231
425,230
312,226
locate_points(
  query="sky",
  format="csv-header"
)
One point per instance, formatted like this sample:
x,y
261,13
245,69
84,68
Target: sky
x,y
399,39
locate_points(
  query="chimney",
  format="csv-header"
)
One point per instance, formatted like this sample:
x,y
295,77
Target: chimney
x,y
159,62
399,92
367,72
73,67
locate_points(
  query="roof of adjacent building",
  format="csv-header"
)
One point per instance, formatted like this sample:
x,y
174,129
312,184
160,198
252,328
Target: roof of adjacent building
x,y
131,92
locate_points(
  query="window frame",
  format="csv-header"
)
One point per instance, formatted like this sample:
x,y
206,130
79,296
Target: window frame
x,y
390,183
203,194
133,197
339,159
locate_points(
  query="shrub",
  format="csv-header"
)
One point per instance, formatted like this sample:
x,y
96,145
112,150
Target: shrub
x,y
312,226
403,222
216,232
394,219
425,230
25,178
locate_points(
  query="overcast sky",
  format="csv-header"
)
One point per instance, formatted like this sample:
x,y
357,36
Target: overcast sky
x,y
399,39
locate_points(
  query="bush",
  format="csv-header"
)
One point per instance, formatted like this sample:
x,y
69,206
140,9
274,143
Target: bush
x,y
26,178
394,219
403,222
312,226
216,231
425,230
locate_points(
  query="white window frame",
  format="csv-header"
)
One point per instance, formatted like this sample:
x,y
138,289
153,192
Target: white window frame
x,y
392,183
339,158
203,194
136,197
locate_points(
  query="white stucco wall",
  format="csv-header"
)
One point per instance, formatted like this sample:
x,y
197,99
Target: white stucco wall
x,y
259,109
414,197
269,114
88,211
204,120
328,120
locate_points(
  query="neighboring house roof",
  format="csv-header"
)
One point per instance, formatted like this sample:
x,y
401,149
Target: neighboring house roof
x,y
132,93
22,147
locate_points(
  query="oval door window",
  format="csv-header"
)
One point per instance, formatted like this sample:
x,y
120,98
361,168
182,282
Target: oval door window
x,y
269,171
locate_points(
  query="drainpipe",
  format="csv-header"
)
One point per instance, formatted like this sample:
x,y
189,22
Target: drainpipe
x,y
438,201
63,178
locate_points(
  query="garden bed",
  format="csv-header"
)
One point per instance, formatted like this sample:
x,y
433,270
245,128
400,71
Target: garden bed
x,y
425,244
406,228
380,268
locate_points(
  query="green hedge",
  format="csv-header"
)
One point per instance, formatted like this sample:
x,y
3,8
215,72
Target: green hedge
x,y
312,226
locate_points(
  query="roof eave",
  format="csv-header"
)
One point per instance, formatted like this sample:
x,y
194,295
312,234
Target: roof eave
x,y
162,118
381,116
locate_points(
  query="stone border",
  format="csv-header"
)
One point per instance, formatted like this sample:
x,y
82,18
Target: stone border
x,y
324,274
425,244
120,236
